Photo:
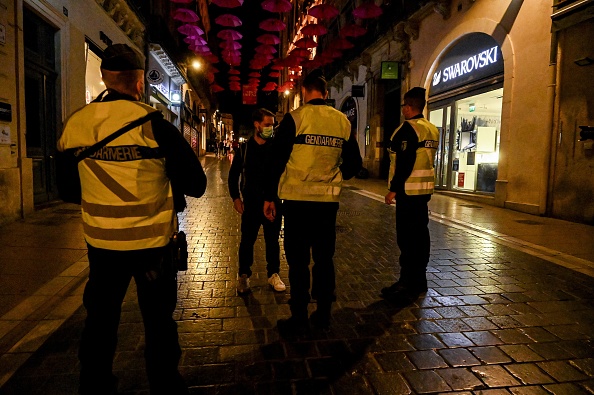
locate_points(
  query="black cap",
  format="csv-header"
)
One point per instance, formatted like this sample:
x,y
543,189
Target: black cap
x,y
120,57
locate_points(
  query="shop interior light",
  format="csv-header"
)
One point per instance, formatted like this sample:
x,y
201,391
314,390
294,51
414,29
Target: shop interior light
x,y
175,97
287,92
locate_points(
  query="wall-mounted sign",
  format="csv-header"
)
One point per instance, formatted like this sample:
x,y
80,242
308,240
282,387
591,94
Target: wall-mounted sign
x,y
474,57
175,97
5,134
2,34
389,71
154,76
5,112
250,94
349,108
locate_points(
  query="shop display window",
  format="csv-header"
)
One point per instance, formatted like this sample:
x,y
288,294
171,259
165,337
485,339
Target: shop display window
x,y
475,153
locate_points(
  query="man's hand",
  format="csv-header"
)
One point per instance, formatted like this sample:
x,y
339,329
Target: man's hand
x,y
390,198
238,205
270,210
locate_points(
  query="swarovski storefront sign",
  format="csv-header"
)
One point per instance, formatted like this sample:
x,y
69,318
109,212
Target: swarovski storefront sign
x,y
472,58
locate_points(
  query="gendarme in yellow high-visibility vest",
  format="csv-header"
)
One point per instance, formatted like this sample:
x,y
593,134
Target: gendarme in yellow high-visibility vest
x,y
422,179
312,172
127,202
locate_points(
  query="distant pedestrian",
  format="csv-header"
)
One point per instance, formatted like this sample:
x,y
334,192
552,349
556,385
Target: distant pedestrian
x,y
251,164
131,190
411,183
313,152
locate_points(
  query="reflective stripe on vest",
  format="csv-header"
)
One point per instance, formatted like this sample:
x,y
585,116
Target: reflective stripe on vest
x,y
312,172
127,202
422,178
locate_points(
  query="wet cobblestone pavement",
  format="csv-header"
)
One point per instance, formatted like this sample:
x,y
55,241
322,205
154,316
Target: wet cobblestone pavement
x,y
495,320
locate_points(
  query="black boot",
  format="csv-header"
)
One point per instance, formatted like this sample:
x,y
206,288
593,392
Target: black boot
x,y
296,325
320,318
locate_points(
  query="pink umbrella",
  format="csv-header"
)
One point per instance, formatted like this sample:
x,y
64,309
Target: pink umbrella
x,y
228,20
265,49
305,42
185,15
268,88
216,88
210,77
230,52
199,48
323,11
263,56
272,25
300,52
190,30
234,71
234,78
367,11
213,69
254,74
195,40
353,30
235,88
228,3
230,45
341,43
274,74
331,54
229,34
212,58
269,39
277,5
313,29
254,81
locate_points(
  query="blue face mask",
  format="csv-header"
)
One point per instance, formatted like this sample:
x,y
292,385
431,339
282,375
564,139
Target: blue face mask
x,y
267,132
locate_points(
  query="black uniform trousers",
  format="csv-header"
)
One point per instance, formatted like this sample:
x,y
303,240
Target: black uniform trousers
x,y
310,226
109,278
251,220
412,236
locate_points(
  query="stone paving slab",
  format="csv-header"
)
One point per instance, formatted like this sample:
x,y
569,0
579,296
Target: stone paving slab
x,y
495,320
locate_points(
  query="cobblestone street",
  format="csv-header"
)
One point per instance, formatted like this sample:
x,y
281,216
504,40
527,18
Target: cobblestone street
x,y
494,321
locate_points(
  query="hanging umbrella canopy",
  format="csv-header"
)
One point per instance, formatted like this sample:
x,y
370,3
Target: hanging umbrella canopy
x,y
234,71
228,20
314,29
265,49
331,53
185,15
272,25
341,43
263,57
268,88
216,88
210,77
254,80
300,52
269,39
353,30
213,70
305,42
254,74
234,78
190,30
195,40
277,5
228,3
367,10
230,45
274,74
229,34
212,58
202,49
323,11
235,88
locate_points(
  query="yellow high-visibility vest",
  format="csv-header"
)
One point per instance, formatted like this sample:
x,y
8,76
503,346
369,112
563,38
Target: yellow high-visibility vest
x,y
422,179
312,172
127,202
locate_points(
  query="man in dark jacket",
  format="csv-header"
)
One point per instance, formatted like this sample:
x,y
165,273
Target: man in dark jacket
x,y
313,152
251,164
131,191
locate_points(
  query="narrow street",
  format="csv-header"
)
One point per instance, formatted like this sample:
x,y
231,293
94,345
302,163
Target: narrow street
x,y
494,321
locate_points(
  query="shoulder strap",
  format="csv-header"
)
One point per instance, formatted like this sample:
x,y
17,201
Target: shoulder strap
x,y
97,146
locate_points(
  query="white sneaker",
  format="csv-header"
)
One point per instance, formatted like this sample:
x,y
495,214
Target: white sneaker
x,y
276,283
243,284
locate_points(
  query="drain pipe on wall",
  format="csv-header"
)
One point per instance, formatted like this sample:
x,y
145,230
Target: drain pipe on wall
x,y
552,125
